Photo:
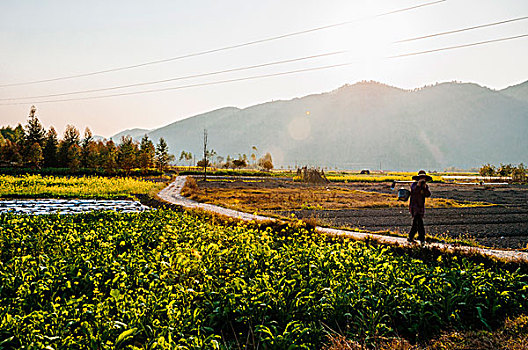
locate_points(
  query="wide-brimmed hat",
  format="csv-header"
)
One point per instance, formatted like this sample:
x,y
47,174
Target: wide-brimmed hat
x,y
422,175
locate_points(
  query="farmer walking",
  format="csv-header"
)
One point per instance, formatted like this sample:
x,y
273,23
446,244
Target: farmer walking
x,y
419,191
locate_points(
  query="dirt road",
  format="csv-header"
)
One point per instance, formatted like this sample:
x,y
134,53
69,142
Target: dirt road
x,y
499,227
172,194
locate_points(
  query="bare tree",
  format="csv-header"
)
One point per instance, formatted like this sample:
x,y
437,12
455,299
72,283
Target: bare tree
x,y
187,156
205,154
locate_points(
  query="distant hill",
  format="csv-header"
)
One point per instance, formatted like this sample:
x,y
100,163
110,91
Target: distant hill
x,y
368,125
519,91
136,133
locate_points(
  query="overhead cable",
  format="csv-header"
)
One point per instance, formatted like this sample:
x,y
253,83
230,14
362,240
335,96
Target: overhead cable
x,y
179,78
462,30
269,75
225,48
252,66
458,46
190,85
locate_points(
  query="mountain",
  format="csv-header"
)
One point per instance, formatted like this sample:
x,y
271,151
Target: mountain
x,y
369,125
519,91
98,138
135,133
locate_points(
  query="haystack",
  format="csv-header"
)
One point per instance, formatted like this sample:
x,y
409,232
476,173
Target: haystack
x,y
311,175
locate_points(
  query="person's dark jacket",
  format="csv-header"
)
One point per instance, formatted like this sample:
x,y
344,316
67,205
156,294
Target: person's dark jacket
x,y
419,191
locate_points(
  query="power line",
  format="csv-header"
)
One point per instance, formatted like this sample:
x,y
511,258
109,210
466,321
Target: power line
x,y
190,85
462,30
253,66
179,78
271,74
258,65
200,53
458,46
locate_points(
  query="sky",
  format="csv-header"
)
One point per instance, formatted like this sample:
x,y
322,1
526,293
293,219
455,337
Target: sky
x,y
42,40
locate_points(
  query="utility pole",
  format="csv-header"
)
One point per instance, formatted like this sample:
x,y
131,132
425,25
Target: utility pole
x,y
205,154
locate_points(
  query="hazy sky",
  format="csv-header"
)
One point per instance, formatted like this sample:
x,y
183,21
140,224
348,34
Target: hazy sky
x,y
49,39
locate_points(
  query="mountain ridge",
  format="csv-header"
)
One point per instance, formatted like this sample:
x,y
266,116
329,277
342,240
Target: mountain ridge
x,y
518,91
364,124
135,133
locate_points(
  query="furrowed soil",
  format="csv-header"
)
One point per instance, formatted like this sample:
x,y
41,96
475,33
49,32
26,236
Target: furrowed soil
x,y
503,225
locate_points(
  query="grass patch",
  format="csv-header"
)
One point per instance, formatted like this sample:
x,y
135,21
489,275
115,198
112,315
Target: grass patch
x,y
263,199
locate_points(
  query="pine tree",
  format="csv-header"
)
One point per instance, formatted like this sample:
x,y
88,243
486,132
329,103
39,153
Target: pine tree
x,y
93,155
86,147
35,132
147,153
109,156
51,145
3,143
19,134
10,154
127,154
8,133
34,155
74,157
71,137
162,155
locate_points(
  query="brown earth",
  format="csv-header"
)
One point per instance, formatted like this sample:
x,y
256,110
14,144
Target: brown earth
x,y
373,207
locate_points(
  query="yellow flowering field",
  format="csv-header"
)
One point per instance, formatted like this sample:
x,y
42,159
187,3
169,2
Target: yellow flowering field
x,y
33,186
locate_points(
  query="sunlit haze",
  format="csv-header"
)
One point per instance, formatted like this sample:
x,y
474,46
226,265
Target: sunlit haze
x,y
50,39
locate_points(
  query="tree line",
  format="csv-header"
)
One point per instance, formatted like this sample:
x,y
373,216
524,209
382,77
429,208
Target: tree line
x,y
35,147
517,173
264,163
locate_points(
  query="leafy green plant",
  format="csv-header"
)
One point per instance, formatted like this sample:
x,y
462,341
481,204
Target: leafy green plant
x,y
161,279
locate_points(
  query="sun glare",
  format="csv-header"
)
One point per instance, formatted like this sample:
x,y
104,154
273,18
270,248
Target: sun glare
x,y
368,41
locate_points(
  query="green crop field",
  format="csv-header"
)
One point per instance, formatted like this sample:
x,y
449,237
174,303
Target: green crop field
x,y
36,186
161,279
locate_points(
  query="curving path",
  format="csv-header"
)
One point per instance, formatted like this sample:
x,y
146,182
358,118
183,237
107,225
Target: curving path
x,y
171,194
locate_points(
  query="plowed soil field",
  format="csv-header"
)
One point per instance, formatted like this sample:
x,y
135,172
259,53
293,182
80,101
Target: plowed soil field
x,y
504,225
